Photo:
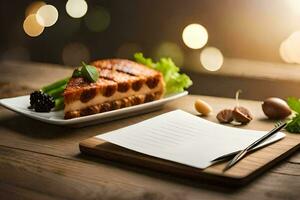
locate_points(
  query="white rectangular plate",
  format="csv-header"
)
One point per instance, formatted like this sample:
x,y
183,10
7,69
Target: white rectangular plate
x,y
20,105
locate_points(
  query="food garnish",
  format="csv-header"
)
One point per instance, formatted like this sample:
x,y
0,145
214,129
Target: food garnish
x,y
41,102
202,107
55,85
76,73
293,124
276,108
294,104
88,72
175,81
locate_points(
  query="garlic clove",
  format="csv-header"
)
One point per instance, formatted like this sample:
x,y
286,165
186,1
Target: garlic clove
x,y
203,107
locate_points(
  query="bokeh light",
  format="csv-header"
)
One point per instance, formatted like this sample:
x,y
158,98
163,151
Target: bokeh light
x,y
74,53
170,49
294,6
97,19
127,50
211,58
32,27
283,51
76,8
47,15
33,7
289,49
194,36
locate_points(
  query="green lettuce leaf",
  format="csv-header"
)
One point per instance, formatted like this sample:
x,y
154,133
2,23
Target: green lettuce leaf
x,y
294,104
293,125
175,81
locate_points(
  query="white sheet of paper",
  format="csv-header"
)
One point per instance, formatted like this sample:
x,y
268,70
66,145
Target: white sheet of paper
x,y
184,138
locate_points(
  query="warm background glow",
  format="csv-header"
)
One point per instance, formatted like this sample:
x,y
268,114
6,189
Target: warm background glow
x,y
33,7
32,27
195,36
47,15
284,52
290,48
294,6
254,30
76,8
211,58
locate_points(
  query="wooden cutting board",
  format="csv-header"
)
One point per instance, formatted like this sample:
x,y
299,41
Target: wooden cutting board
x,y
250,167
244,171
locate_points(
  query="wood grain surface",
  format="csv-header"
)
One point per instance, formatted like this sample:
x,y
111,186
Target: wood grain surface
x,y
42,161
244,171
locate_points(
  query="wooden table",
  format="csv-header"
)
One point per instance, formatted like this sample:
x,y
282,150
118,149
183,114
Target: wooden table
x,y
41,161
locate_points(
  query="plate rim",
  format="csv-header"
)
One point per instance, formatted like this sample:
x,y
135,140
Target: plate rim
x,y
93,117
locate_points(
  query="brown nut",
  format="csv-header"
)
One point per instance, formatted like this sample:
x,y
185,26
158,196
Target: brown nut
x,y
225,116
276,108
242,115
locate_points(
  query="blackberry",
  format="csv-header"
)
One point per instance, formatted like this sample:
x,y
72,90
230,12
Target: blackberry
x,y
41,102
34,96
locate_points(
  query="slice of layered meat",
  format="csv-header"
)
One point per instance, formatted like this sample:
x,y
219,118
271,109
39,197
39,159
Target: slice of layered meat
x,y
122,83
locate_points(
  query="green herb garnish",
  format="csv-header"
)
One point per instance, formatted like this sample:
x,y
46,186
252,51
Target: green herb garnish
x,y
57,92
175,81
55,85
293,125
76,73
88,72
59,103
57,88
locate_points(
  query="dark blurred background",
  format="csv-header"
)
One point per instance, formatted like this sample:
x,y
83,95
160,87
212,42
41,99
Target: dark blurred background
x,y
242,30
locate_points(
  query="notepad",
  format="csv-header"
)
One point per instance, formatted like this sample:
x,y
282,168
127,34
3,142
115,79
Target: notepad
x,y
181,137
